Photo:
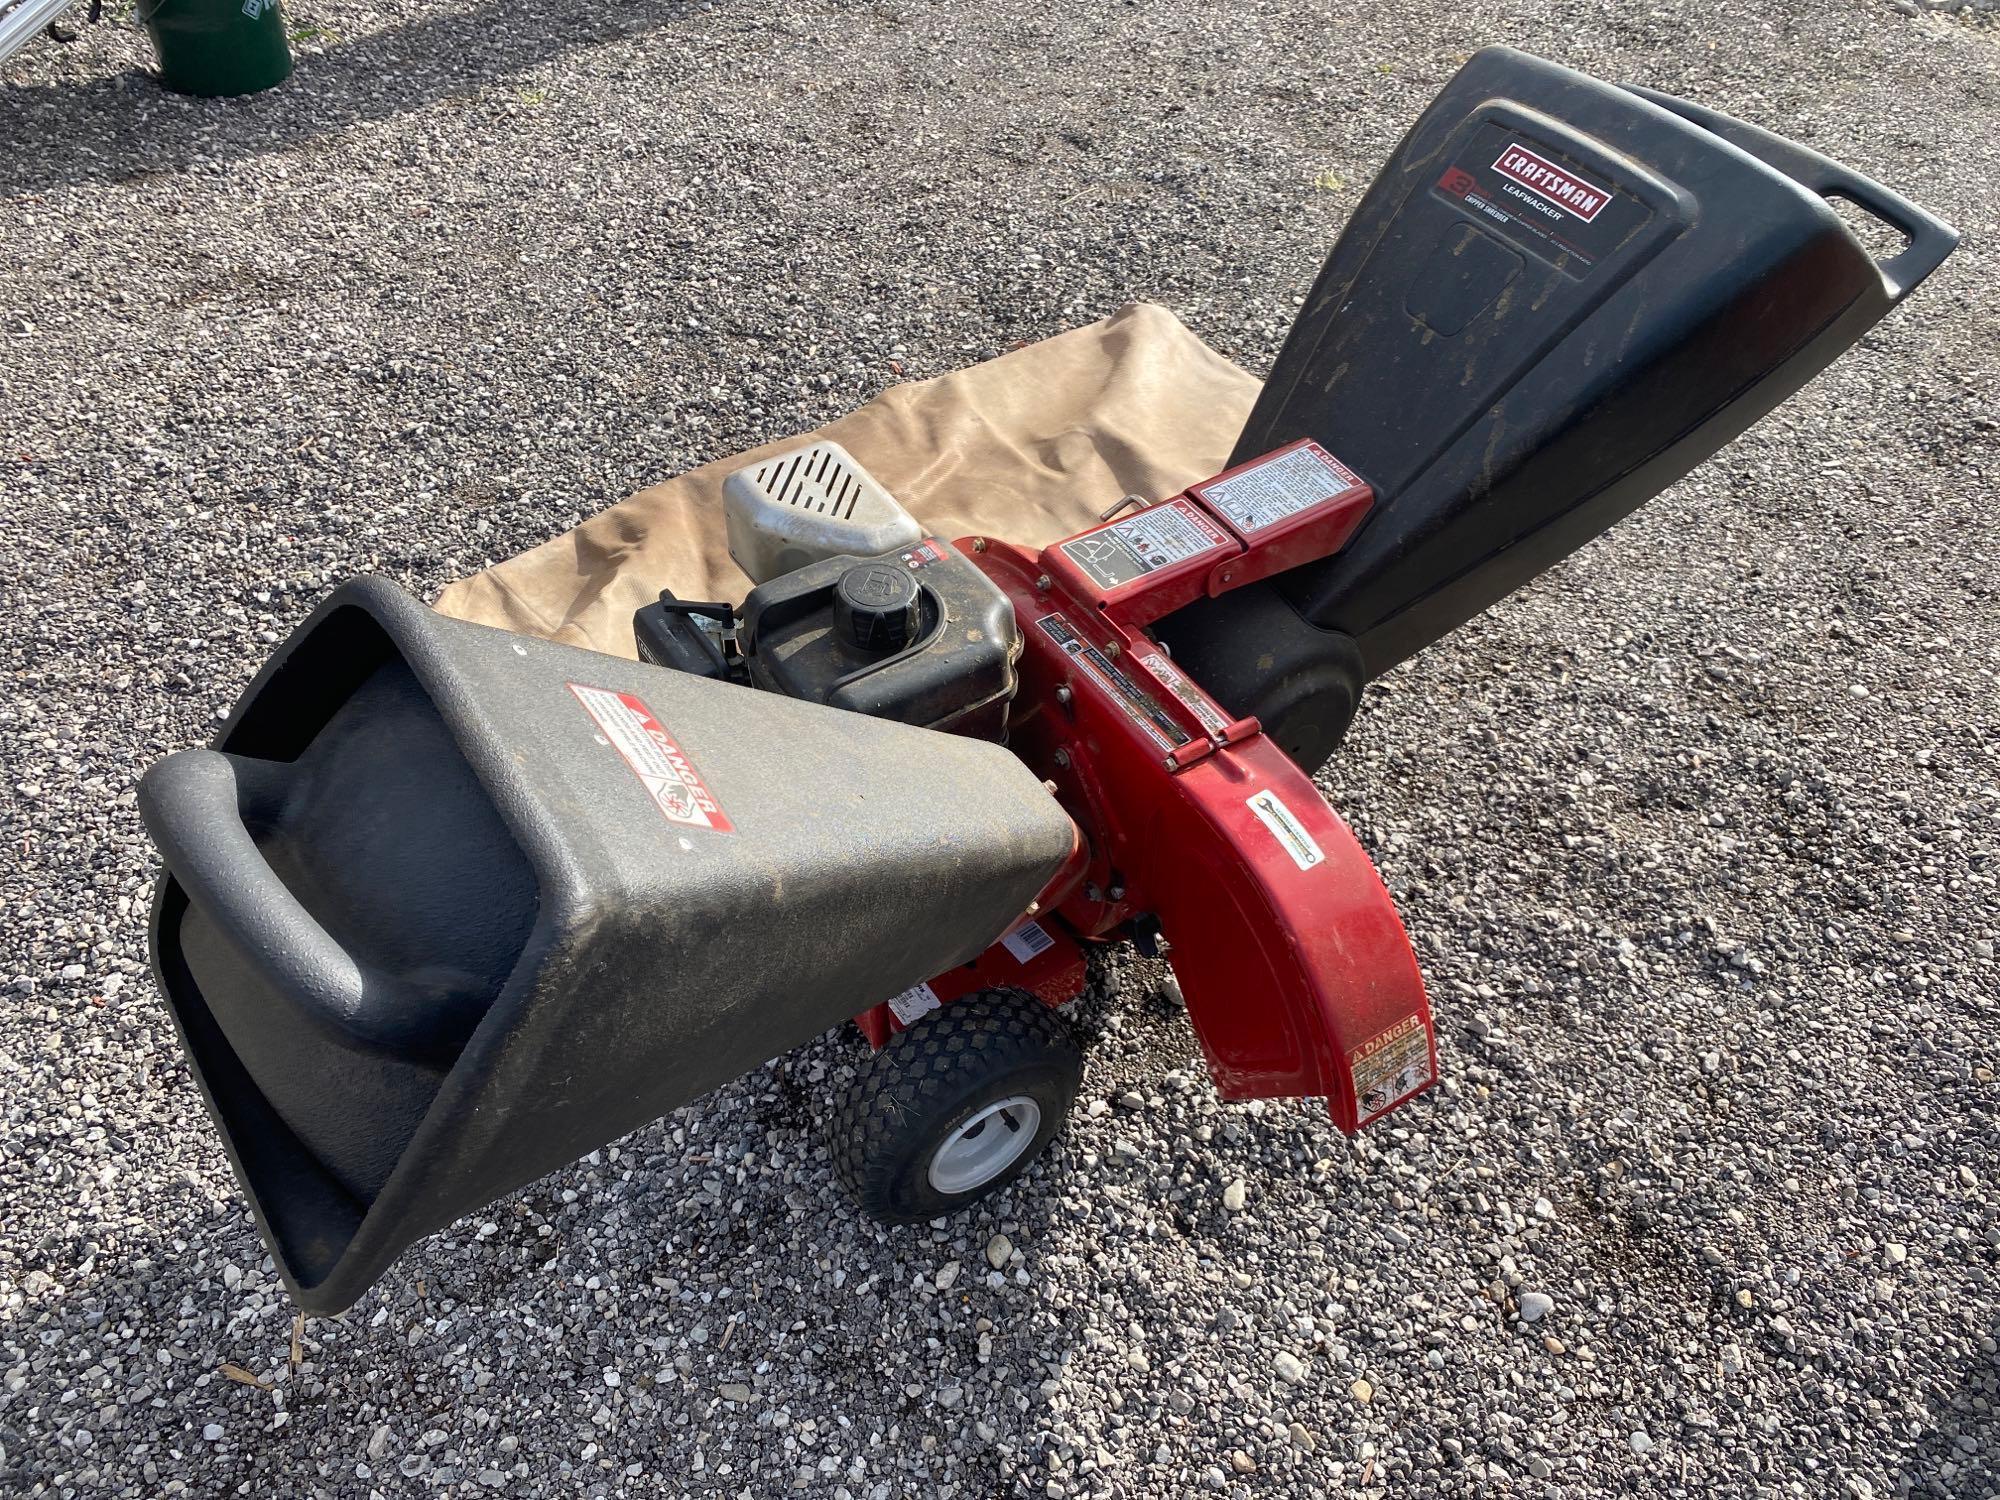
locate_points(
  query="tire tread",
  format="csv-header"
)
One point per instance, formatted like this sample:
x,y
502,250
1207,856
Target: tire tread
x,y
927,1072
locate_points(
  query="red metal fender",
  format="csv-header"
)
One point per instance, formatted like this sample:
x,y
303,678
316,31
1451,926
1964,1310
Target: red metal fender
x,y
1297,973
1296,970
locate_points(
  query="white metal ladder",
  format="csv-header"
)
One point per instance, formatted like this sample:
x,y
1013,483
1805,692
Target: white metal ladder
x,y
21,21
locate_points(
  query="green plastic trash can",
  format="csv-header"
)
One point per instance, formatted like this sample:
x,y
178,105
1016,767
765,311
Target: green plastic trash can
x,y
218,48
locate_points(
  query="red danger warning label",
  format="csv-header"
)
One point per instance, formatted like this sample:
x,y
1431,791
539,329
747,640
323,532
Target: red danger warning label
x,y
1391,1066
662,767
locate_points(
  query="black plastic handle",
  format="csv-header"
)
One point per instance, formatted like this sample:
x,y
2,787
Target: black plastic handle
x,y
1930,238
199,806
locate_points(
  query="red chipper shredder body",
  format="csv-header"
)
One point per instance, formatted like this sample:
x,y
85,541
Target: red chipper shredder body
x,y
445,908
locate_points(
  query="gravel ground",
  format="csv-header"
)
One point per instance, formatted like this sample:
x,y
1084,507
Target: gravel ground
x,y
1697,837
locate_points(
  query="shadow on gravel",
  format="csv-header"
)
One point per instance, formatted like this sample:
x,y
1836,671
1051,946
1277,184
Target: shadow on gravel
x,y
127,127
1956,1454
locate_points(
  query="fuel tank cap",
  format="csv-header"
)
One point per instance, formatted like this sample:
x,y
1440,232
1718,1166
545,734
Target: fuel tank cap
x,y
875,606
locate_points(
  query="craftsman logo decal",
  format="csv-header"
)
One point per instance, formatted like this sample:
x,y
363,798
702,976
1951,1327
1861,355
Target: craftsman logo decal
x,y
1027,941
1390,1067
1564,189
1529,196
662,767
916,1001
1290,832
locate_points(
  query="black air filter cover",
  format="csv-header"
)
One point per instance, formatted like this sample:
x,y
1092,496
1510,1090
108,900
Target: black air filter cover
x,y
446,908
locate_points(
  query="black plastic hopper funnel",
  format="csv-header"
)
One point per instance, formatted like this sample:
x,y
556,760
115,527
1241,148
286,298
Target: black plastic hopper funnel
x,y
446,907
1557,298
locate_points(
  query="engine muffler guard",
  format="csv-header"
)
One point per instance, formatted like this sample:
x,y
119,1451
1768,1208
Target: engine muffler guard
x,y
446,908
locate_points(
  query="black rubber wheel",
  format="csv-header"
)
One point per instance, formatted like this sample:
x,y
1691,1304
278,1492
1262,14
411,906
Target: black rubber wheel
x,y
956,1106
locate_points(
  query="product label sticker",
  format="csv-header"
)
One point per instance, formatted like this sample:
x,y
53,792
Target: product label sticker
x,y
1138,705
913,1002
1290,832
1390,1067
1027,941
1208,713
1279,488
1547,180
662,767
1529,194
929,550
1144,542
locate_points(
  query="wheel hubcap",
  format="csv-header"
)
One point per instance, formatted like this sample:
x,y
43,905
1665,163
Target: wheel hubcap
x,y
985,1144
